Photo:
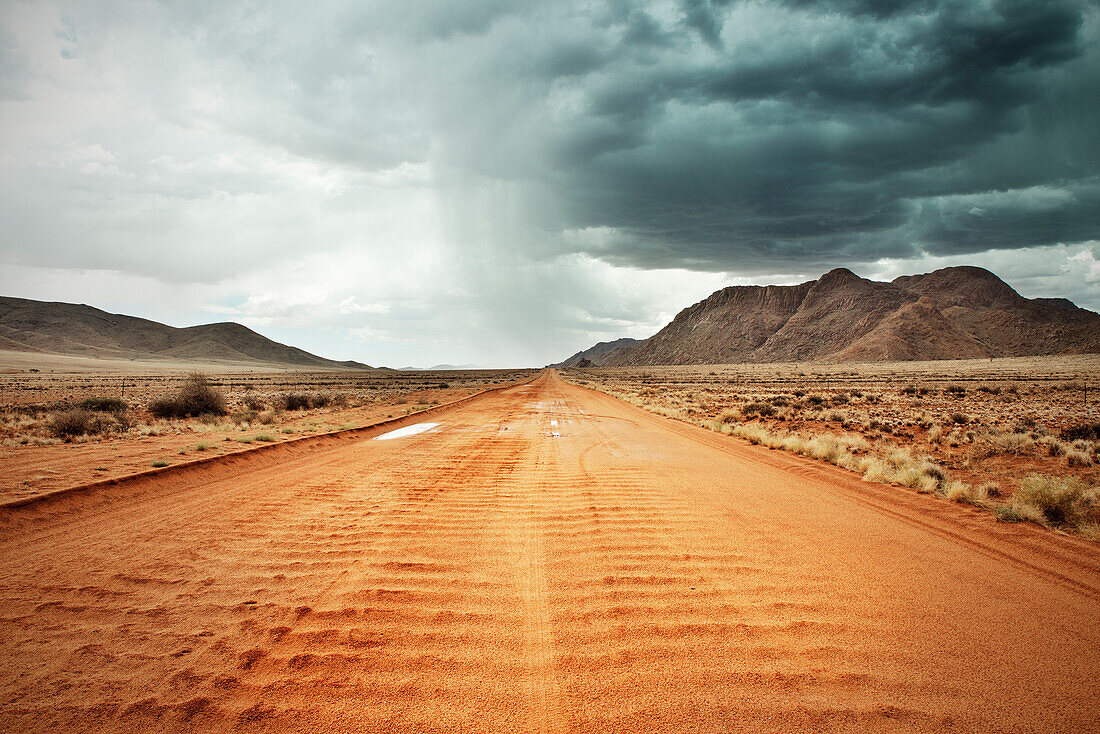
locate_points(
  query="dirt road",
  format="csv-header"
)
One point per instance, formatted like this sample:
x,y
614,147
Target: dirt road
x,y
545,559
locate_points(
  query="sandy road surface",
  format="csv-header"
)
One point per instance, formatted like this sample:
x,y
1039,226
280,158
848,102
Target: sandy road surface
x,y
546,559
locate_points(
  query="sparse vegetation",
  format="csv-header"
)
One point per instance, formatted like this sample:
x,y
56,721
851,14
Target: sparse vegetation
x,y
104,405
1059,500
978,431
194,398
77,422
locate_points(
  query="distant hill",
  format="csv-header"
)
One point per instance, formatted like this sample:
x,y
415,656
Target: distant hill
x,y
953,313
72,329
599,354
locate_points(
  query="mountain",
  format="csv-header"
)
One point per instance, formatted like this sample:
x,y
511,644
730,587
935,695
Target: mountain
x,y
599,354
68,328
953,313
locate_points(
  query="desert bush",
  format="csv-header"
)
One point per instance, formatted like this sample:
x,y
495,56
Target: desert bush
x,y
991,444
194,398
254,402
321,400
1073,385
296,401
990,489
840,399
935,433
964,493
909,390
104,405
761,409
1060,500
75,422
1086,431
1078,458
815,400
242,416
730,415
960,418
990,389
955,389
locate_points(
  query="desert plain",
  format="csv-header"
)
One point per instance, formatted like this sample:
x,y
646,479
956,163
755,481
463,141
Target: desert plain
x,y
767,548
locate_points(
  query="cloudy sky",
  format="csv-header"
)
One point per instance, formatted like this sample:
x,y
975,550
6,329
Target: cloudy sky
x,y
494,182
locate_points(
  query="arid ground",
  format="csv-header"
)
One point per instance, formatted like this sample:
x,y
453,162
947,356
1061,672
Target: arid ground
x,y
537,558
972,431
35,460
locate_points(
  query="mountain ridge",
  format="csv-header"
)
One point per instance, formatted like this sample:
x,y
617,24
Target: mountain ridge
x,y
951,313
81,330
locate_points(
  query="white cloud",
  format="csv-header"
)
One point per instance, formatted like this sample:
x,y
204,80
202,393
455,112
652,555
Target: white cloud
x,y
408,182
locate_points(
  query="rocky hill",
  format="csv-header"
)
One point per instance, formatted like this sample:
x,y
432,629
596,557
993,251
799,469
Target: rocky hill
x,y
954,313
77,329
598,354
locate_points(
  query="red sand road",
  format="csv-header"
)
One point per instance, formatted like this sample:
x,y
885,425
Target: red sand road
x,y
547,559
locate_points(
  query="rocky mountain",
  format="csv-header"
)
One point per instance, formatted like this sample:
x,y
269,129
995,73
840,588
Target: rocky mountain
x,y
599,354
77,329
953,313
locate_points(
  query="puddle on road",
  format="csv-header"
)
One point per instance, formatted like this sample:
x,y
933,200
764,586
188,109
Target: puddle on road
x,y
406,431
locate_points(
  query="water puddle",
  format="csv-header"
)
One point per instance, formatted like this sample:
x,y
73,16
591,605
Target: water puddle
x,y
406,431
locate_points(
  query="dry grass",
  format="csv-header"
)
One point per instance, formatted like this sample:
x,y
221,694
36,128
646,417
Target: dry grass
x,y
970,432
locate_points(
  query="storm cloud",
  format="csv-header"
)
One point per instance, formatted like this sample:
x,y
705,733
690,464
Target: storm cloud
x,y
442,174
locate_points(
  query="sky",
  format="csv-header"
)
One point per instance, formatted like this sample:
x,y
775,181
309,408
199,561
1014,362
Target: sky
x,y
415,182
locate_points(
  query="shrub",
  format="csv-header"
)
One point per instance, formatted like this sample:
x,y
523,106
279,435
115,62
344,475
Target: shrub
x,y
1008,514
761,409
959,418
76,422
194,398
1078,458
296,401
1060,500
243,415
254,402
955,389
909,390
964,493
990,489
1087,431
104,405
731,415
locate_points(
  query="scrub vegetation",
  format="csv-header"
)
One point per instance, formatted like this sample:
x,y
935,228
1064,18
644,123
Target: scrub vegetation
x,y
1019,437
140,418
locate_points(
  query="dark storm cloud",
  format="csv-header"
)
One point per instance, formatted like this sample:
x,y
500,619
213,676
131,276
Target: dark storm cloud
x,y
491,162
837,129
